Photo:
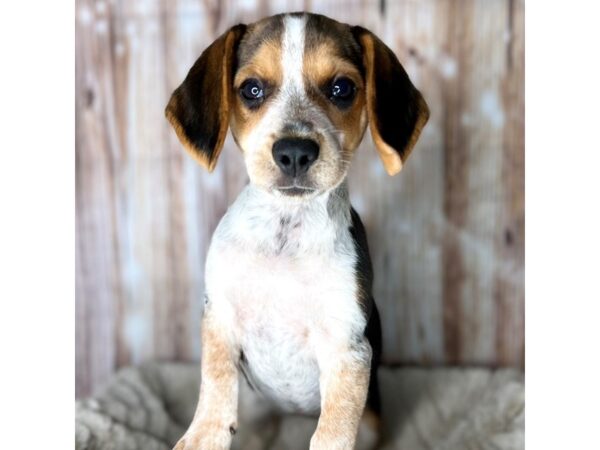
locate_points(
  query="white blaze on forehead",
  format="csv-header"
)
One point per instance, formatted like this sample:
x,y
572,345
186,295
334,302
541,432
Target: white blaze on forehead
x,y
288,104
292,53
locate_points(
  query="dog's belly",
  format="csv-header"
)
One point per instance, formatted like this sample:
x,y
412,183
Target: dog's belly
x,y
279,364
286,312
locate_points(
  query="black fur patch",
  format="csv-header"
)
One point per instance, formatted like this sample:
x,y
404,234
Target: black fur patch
x,y
396,99
270,29
320,28
196,103
364,276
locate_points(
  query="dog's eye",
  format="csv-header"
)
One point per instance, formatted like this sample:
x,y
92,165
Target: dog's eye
x,y
342,92
252,91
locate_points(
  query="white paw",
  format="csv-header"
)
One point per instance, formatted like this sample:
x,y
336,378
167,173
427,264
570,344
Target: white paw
x,y
205,438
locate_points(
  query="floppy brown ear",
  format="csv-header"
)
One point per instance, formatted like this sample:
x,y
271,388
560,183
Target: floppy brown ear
x,y
199,107
396,110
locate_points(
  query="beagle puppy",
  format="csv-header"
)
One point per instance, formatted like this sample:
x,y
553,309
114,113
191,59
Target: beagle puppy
x,y
289,301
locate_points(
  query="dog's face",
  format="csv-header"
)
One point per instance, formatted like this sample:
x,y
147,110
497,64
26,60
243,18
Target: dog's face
x,y
297,91
299,109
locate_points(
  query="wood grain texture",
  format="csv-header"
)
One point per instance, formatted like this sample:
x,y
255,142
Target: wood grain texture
x,y
446,234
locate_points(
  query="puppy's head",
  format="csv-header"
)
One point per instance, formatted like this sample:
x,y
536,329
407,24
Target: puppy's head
x,y
297,91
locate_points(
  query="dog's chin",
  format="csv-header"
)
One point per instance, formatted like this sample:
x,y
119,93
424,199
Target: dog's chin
x,y
303,190
296,191
298,188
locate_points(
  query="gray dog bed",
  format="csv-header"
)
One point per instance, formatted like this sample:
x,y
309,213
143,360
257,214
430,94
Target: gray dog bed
x,y
150,407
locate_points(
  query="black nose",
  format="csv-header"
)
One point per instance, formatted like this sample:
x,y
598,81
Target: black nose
x,y
294,155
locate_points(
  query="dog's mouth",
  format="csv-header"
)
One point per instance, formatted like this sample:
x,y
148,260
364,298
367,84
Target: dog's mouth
x,y
295,186
295,191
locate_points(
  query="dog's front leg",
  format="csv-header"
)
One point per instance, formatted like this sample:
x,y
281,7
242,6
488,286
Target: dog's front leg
x,y
344,383
215,420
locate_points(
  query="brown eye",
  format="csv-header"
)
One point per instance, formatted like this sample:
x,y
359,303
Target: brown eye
x,y
252,92
342,92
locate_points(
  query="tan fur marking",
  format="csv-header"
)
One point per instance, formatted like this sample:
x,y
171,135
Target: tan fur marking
x,y
391,160
264,66
322,65
225,99
343,396
216,413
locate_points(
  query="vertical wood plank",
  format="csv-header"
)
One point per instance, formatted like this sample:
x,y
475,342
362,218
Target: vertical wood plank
x,y
474,184
96,261
455,190
509,293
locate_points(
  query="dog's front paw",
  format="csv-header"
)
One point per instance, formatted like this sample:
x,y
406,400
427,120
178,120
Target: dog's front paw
x,y
331,441
205,438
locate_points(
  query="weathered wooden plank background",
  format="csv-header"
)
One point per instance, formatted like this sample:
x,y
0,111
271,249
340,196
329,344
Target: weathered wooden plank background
x,y
446,235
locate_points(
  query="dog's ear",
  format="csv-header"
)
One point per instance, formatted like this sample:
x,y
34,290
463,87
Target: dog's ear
x,y
396,110
199,107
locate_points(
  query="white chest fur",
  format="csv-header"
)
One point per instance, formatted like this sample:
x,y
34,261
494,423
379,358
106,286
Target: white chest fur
x,y
280,275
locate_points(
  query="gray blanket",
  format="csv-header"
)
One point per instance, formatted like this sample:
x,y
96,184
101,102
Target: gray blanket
x,y
150,407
